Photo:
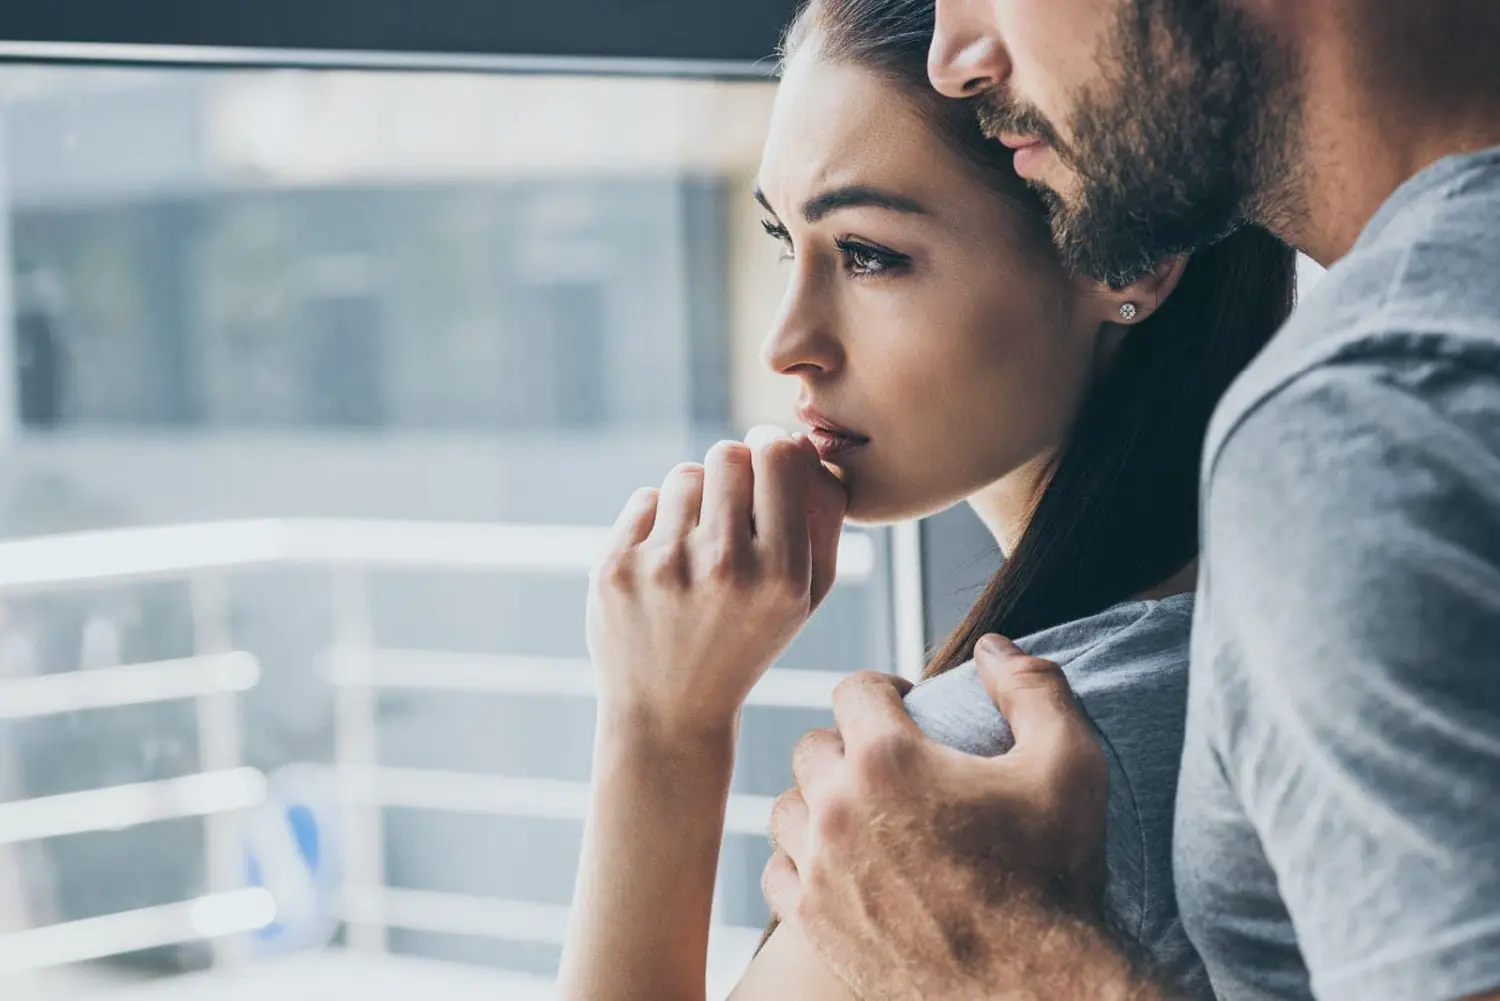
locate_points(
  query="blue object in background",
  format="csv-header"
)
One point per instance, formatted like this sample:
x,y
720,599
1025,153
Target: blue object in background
x,y
293,849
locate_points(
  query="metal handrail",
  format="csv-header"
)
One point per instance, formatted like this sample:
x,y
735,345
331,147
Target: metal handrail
x,y
88,559
504,674
129,685
214,916
114,808
350,549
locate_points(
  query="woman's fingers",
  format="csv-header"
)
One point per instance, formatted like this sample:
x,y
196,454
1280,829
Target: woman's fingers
x,y
826,503
781,474
681,500
635,520
728,495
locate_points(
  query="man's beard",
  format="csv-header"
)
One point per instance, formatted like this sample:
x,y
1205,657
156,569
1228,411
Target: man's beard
x,y
1187,133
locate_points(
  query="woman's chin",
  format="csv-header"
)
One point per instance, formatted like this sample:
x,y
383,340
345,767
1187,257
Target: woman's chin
x,y
870,507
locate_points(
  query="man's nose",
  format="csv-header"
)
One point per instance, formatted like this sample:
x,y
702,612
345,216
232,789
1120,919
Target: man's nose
x,y
966,57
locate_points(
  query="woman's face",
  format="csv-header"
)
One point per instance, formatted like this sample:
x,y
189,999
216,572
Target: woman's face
x,y
941,348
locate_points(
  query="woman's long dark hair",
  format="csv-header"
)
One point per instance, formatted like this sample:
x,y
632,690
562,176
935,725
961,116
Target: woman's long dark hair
x,y
1119,513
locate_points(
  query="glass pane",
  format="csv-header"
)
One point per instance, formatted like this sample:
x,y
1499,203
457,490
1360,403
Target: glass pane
x,y
344,373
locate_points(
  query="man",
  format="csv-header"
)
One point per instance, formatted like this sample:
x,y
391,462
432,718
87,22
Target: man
x,y
1338,831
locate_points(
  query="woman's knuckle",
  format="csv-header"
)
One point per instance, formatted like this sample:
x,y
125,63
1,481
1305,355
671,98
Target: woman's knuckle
x,y
615,570
729,565
668,566
782,452
728,453
784,585
684,474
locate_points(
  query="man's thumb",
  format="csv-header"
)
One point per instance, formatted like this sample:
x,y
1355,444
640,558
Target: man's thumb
x,y
1031,693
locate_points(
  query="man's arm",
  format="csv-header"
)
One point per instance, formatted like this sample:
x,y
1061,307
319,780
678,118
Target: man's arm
x,y
1353,591
917,871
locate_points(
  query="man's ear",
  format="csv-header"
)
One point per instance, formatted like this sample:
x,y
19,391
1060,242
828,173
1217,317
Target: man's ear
x,y
1141,298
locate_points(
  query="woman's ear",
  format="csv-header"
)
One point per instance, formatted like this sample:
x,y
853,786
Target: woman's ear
x,y
1141,298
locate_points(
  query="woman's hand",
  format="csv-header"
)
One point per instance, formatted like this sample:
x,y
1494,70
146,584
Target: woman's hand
x,y
707,580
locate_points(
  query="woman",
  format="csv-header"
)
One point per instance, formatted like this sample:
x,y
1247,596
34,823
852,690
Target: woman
x,y
944,354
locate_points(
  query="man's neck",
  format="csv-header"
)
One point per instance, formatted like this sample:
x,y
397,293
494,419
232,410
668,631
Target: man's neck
x,y
1370,122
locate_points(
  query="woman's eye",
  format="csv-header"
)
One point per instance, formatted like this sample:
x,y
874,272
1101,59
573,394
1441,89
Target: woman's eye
x,y
777,231
863,259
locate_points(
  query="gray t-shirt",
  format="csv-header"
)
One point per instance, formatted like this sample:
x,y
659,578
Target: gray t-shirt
x,y
1128,667
1339,810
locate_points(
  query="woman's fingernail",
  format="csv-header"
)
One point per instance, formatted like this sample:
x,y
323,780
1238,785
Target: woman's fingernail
x,y
764,434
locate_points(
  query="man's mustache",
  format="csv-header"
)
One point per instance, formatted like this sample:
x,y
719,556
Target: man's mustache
x,y
1000,116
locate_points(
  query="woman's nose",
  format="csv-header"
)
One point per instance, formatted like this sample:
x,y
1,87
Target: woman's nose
x,y
800,341
966,57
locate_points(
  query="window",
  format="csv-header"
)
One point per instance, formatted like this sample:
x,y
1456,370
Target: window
x,y
340,373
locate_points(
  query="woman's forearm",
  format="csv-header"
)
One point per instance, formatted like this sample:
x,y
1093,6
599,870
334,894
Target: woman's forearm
x,y
639,927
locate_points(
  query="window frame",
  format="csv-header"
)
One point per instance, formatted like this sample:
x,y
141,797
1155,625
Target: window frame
x,y
737,38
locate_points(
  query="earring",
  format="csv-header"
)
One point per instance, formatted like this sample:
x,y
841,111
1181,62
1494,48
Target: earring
x,y
1128,311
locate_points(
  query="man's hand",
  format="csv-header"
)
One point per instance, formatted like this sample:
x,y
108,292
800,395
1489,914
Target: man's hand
x,y
917,871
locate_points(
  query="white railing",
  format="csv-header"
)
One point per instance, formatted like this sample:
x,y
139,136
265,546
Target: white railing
x,y
204,554
212,681
132,554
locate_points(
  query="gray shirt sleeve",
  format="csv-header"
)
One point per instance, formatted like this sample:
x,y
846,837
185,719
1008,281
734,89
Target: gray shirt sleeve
x,y
1353,590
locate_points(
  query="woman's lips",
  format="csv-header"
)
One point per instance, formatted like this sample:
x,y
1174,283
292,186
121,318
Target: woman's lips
x,y
835,444
827,435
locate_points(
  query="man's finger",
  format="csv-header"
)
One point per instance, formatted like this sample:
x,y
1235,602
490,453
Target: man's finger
x,y
789,825
815,757
902,685
635,520
781,886
868,706
781,472
728,490
1031,693
680,502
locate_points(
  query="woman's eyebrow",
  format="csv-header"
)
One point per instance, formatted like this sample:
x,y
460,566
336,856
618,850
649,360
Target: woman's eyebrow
x,y
849,197
858,196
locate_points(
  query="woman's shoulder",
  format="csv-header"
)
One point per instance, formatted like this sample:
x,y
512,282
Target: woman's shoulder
x,y
1128,666
1153,631
1132,653
1129,660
